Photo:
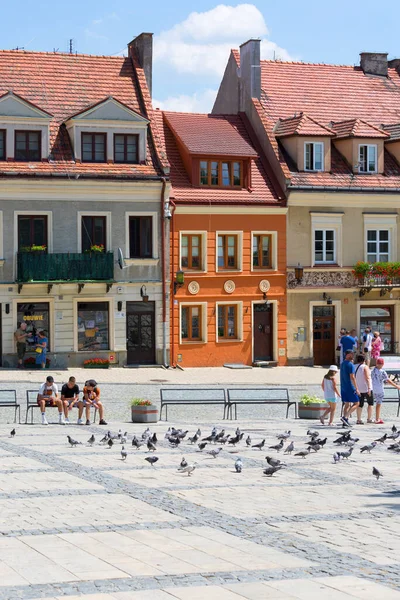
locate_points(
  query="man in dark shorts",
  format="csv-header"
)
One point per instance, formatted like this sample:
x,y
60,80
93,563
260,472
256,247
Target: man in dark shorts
x,y
48,396
20,336
348,387
70,398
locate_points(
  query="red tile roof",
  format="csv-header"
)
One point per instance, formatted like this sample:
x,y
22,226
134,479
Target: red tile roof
x,y
301,124
183,192
211,135
393,130
66,84
357,128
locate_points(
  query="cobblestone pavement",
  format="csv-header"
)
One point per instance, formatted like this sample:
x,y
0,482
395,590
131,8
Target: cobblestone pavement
x,y
81,523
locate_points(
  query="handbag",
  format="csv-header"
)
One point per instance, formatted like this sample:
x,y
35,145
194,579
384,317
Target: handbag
x,y
39,350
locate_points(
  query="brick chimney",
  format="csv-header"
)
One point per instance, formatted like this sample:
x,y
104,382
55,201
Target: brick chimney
x,y
374,63
142,45
250,68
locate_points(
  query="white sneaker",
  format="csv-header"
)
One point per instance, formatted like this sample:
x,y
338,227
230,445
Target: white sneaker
x,y
66,422
44,420
61,421
80,422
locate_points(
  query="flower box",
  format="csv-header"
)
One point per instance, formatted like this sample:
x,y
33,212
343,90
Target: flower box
x,y
143,411
96,363
30,363
311,411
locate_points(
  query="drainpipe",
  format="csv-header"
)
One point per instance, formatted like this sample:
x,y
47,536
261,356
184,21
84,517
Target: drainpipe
x,y
172,337
163,272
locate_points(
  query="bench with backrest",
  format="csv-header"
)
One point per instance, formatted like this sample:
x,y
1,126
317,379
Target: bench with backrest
x,y
259,396
191,396
8,399
392,395
31,402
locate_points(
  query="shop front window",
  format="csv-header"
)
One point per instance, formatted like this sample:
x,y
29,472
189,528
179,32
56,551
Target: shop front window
x,y
379,318
36,316
93,326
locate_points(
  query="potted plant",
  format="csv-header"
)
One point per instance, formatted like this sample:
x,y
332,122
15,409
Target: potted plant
x,y
95,248
96,363
311,407
30,363
143,411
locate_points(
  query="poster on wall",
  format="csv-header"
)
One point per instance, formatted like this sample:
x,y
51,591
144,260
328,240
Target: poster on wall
x,y
93,326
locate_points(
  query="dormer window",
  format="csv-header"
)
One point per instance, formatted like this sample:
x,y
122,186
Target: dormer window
x,y
94,147
221,173
367,158
126,148
2,144
28,145
313,156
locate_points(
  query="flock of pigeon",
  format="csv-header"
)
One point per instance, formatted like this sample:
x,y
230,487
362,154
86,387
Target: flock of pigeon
x,y
218,441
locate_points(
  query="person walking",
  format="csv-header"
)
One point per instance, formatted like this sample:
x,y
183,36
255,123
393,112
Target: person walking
x,y
41,349
339,347
376,346
367,345
353,334
348,387
20,336
379,378
364,384
347,343
331,394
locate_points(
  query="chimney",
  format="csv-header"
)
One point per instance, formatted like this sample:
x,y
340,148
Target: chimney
x,y
394,64
250,68
142,45
374,63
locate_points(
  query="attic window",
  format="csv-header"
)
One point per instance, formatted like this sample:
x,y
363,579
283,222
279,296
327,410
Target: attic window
x,y
94,147
313,156
2,144
28,145
367,158
126,148
221,173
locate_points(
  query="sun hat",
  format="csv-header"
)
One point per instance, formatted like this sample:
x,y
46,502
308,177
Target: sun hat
x,y
333,368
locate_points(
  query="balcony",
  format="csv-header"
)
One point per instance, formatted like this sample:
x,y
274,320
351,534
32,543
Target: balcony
x,y
381,275
41,267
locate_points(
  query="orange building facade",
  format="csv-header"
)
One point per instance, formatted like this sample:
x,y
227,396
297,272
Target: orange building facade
x,y
228,245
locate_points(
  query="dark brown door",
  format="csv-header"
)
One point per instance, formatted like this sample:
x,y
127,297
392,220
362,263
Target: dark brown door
x,y
262,332
140,333
324,335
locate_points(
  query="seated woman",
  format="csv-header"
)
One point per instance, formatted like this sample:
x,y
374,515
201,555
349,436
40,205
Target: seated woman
x,y
91,397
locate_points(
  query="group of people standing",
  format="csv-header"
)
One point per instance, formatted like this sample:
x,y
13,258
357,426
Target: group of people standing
x,y
369,344
39,343
358,385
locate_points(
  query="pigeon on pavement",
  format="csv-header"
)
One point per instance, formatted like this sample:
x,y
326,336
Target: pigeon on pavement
x,y
234,440
377,472
151,459
248,441
289,449
278,447
303,453
202,445
124,453
394,429
193,439
274,462
382,439
336,458
284,436
13,432
72,441
269,471
184,462
91,440
238,465
150,446
188,469
110,443
260,445
214,453
346,454
136,443
368,447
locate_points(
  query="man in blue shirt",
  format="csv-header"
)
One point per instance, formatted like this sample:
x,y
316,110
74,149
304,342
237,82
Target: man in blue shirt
x,y
348,387
347,342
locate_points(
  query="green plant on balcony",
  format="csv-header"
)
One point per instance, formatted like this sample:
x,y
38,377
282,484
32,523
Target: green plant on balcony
x,y
33,248
95,248
387,270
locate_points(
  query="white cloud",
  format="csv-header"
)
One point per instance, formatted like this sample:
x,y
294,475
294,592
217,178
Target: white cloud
x,y
201,43
200,102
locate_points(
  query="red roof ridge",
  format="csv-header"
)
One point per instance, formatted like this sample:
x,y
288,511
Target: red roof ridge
x,y
47,53
305,63
299,120
355,123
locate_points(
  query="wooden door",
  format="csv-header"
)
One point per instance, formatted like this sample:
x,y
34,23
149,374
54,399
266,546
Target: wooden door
x,y
262,332
324,341
140,333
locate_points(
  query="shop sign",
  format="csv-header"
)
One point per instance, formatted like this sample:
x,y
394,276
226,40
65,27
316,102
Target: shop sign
x,y
33,318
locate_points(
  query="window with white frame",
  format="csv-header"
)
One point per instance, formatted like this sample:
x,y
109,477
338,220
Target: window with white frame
x,y
229,321
367,158
313,156
378,245
324,246
193,323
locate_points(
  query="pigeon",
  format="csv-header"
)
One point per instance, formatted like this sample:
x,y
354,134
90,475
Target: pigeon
x,y
238,433
150,446
269,471
124,453
146,434
368,447
313,434
394,436
289,449
221,434
344,437
315,447
303,453
284,436
105,438
13,432
278,447
224,439
238,465
336,458
181,434
394,429
382,439
274,462
174,441
184,462
248,441
394,446
151,459
168,433
136,443
119,434
377,472
110,443
210,438
198,432
193,439
260,445
91,440
188,469
154,438
202,445
346,454
72,441
234,440
214,453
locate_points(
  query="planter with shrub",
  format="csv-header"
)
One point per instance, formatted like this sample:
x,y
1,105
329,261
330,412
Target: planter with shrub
x,y
96,363
30,363
311,407
143,411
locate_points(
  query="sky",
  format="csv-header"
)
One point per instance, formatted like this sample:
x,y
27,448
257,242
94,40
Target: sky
x,y
192,40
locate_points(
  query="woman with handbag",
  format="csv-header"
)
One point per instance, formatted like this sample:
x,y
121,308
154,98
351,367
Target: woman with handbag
x,y
41,349
376,346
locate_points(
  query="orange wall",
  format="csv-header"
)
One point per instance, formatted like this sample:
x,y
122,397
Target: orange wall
x,y
215,353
